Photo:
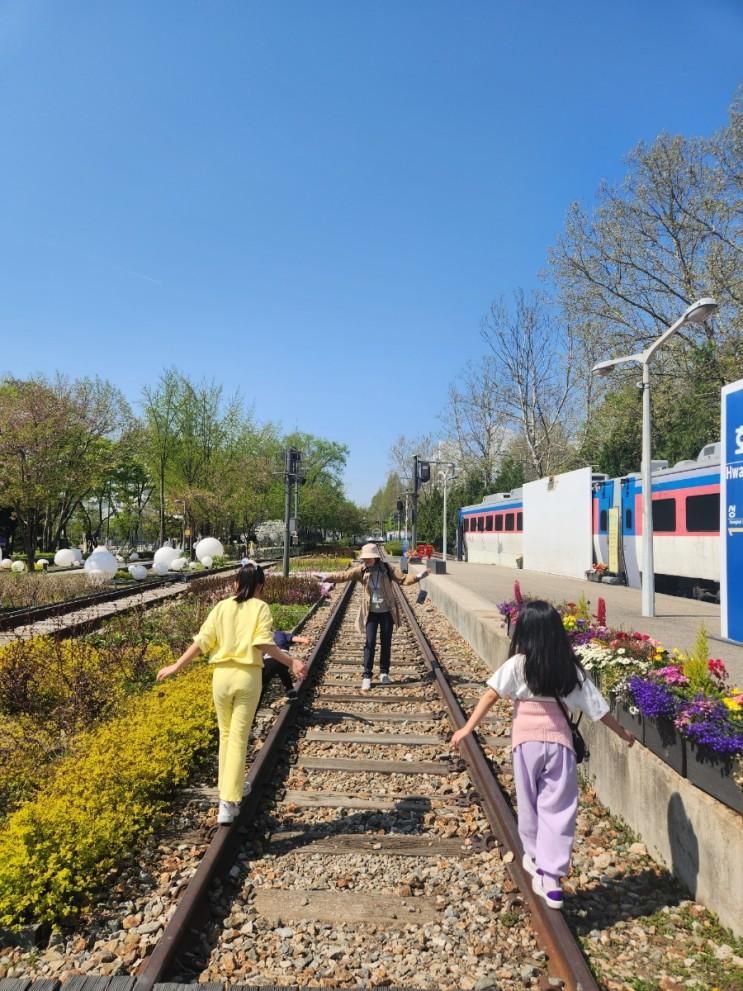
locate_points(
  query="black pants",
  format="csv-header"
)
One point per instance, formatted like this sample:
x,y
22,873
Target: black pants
x,y
273,669
383,622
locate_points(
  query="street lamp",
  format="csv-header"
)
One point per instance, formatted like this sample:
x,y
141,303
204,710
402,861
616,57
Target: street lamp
x,y
697,313
445,477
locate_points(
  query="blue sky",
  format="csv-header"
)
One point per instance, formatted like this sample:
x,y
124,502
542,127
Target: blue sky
x,y
316,202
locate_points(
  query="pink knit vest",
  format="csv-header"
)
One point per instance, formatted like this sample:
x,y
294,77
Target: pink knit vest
x,y
539,721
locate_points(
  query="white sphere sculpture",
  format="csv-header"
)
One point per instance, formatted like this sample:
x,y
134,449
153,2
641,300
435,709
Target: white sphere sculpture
x,y
43,562
78,554
179,564
166,555
159,568
208,547
134,556
65,558
6,564
206,561
138,571
101,564
120,559
18,566
193,565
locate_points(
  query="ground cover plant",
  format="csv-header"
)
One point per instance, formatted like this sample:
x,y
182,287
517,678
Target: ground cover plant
x,y
102,800
24,590
325,562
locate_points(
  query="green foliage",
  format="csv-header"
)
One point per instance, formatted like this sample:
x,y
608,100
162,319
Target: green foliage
x,y
695,666
56,851
286,617
324,563
393,548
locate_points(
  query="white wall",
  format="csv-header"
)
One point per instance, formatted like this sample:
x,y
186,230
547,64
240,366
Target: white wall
x,y
557,524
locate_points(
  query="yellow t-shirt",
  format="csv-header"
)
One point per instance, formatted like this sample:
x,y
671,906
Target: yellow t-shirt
x,y
233,631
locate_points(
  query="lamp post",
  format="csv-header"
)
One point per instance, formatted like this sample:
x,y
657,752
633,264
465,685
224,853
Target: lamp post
x,y
445,477
698,312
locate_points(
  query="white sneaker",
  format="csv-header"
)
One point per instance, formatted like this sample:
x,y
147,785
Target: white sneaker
x,y
247,788
365,684
227,812
384,679
551,895
529,865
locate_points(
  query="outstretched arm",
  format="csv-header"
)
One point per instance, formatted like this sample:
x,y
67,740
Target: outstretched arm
x,y
484,705
298,668
183,661
615,727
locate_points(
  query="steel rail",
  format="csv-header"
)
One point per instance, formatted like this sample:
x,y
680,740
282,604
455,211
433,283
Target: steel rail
x,y
565,957
12,618
228,839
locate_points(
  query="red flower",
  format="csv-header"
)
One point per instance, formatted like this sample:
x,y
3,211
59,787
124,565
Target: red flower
x,y
517,593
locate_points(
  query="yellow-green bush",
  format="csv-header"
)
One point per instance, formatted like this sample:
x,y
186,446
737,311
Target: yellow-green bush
x,y
56,850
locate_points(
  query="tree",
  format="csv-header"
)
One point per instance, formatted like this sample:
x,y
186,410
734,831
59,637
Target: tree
x,y
54,438
476,419
534,361
160,418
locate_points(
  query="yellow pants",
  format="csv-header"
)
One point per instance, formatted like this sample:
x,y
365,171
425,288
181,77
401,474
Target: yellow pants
x,y
236,689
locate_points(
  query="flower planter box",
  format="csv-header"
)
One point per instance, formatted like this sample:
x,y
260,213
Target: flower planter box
x,y
712,773
660,736
634,723
594,576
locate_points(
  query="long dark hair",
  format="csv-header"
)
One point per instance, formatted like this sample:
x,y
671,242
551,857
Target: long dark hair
x,y
551,667
249,578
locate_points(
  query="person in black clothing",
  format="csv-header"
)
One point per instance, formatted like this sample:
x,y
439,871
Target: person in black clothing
x,y
272,669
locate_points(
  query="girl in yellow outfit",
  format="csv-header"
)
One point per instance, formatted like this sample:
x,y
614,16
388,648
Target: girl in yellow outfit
x,y
237,633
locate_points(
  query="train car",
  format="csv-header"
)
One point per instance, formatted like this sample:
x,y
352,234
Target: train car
x,y
686,525
492,532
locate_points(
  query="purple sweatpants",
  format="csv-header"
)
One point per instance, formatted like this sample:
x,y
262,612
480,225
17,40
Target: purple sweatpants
x,y
547,798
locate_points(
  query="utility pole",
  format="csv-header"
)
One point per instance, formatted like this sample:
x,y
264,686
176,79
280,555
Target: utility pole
x,y
292,457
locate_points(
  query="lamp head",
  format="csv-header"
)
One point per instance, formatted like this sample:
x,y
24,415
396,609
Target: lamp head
x,y
603,368
701,310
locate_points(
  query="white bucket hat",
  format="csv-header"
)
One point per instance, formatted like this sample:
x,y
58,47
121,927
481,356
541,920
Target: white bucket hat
x,y
369,550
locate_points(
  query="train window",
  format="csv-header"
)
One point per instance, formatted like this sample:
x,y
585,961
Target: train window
x,y
510,521
519,521
602,521
488,522
466,524
664,515
703,513
499,522
628,519
480,523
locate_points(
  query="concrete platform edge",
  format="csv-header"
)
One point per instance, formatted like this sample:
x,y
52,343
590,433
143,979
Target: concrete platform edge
x,y
697,838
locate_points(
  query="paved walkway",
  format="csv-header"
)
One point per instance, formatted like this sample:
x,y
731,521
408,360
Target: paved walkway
x,y
675,624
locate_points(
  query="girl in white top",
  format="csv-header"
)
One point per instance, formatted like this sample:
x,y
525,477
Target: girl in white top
x,y
541,669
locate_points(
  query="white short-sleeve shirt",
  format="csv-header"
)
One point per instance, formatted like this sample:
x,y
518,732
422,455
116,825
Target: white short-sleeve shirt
x,y
509,682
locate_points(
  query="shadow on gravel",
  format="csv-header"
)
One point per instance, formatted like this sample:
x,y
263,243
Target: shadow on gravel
x,y
622,898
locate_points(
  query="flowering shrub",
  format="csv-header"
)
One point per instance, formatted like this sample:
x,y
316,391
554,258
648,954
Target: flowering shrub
x,y
55,851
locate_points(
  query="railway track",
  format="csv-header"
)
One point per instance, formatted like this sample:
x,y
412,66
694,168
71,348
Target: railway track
x,y
84,611
361,826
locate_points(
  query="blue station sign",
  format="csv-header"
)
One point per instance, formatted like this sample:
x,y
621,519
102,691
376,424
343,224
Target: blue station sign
x,y
731,513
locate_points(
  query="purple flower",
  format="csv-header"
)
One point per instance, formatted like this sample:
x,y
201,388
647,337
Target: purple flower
x,y
707,723
652,699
